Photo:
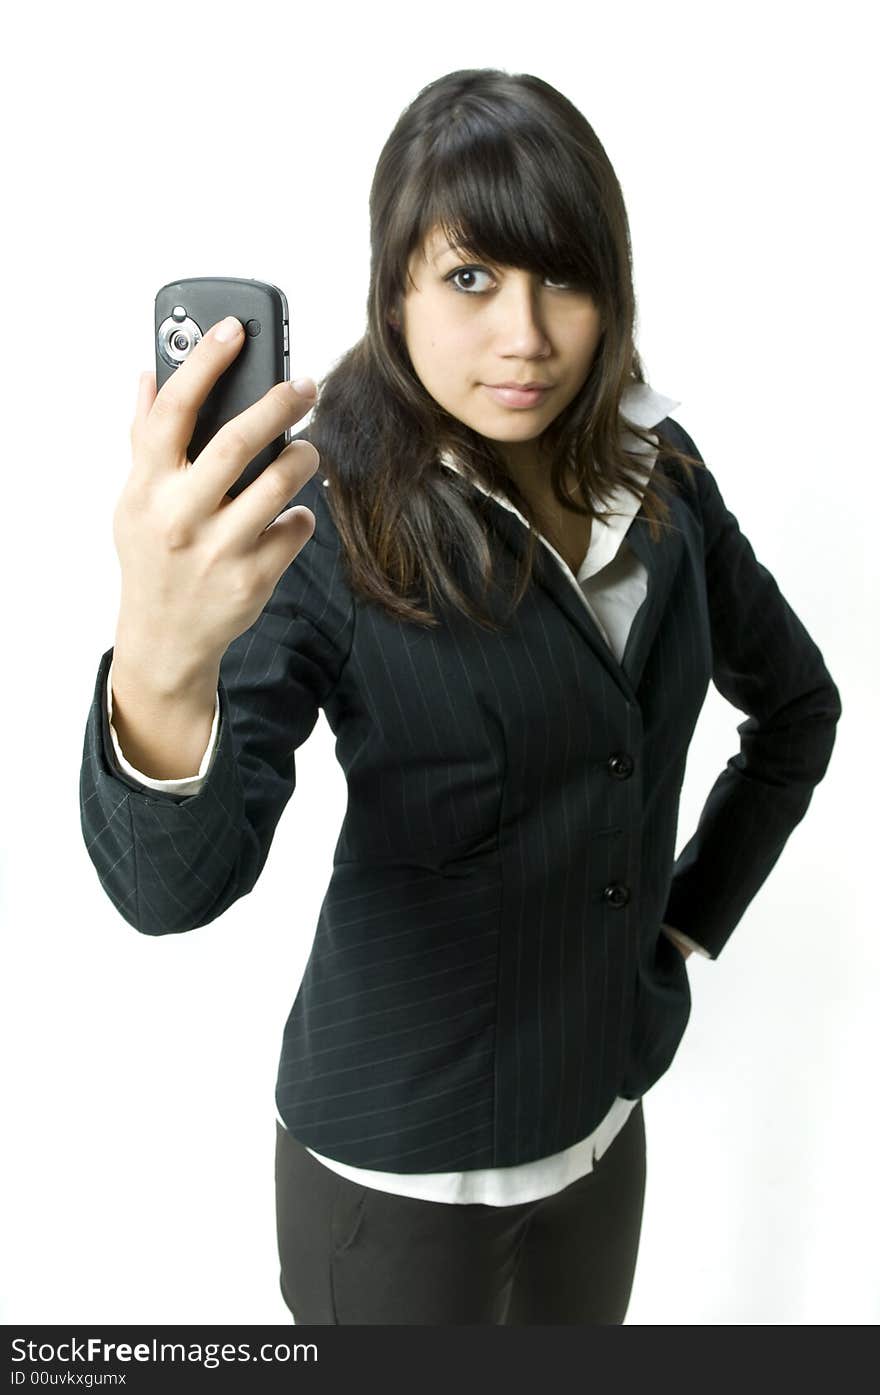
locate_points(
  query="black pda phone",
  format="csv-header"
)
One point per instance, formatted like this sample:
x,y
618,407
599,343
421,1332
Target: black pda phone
x,y
185,311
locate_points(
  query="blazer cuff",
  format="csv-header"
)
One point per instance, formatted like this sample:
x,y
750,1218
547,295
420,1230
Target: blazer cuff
x,y
183,785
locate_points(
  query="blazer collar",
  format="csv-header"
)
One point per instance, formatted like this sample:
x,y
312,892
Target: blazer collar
x,y
620,517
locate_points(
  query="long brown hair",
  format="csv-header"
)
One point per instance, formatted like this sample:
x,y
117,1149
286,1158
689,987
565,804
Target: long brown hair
x,y
513,174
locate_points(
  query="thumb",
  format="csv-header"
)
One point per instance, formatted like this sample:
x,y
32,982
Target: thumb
x,y
146,396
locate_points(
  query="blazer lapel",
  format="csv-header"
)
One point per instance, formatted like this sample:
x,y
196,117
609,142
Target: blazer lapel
x,y
661,561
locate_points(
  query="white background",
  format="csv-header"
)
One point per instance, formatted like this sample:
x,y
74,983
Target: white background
x,y
148,143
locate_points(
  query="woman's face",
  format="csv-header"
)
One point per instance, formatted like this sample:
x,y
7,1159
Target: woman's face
x,y
488,325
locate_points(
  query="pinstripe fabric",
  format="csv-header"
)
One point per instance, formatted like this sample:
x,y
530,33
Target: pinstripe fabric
x,y
488,972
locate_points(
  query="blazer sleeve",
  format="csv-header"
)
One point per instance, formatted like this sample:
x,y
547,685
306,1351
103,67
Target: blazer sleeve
x,y
171,863
767,665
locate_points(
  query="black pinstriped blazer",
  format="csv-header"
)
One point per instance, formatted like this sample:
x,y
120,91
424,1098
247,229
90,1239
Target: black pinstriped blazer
x,y
488,971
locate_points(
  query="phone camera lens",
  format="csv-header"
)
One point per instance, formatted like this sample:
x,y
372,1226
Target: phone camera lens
x,y
175,341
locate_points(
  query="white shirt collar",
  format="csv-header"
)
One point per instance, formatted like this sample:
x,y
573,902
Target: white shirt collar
x,y
644,407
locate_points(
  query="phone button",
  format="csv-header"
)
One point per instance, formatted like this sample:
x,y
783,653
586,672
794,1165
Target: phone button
x,y
286,340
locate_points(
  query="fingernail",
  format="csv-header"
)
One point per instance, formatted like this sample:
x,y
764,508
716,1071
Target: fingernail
x,y
305,387
227,329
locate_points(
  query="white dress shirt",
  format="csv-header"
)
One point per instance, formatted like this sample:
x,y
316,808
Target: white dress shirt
x,y
612,583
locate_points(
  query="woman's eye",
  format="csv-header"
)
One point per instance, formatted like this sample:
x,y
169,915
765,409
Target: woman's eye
x,y
481,271
466,271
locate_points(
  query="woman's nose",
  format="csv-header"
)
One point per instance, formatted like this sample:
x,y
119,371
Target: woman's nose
x,y
521,316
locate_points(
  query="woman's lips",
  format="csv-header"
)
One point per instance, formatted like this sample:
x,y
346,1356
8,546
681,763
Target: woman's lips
x,y
517,397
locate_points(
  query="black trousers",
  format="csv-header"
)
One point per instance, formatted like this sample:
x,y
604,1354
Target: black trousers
x,y
354,1255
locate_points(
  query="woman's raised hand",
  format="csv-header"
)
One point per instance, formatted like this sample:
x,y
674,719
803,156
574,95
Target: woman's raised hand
x,y
197,566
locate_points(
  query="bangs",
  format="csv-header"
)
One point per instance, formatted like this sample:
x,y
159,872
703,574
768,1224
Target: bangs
x,y
513,199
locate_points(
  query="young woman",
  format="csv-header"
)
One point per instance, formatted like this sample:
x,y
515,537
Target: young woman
x,y
508,586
